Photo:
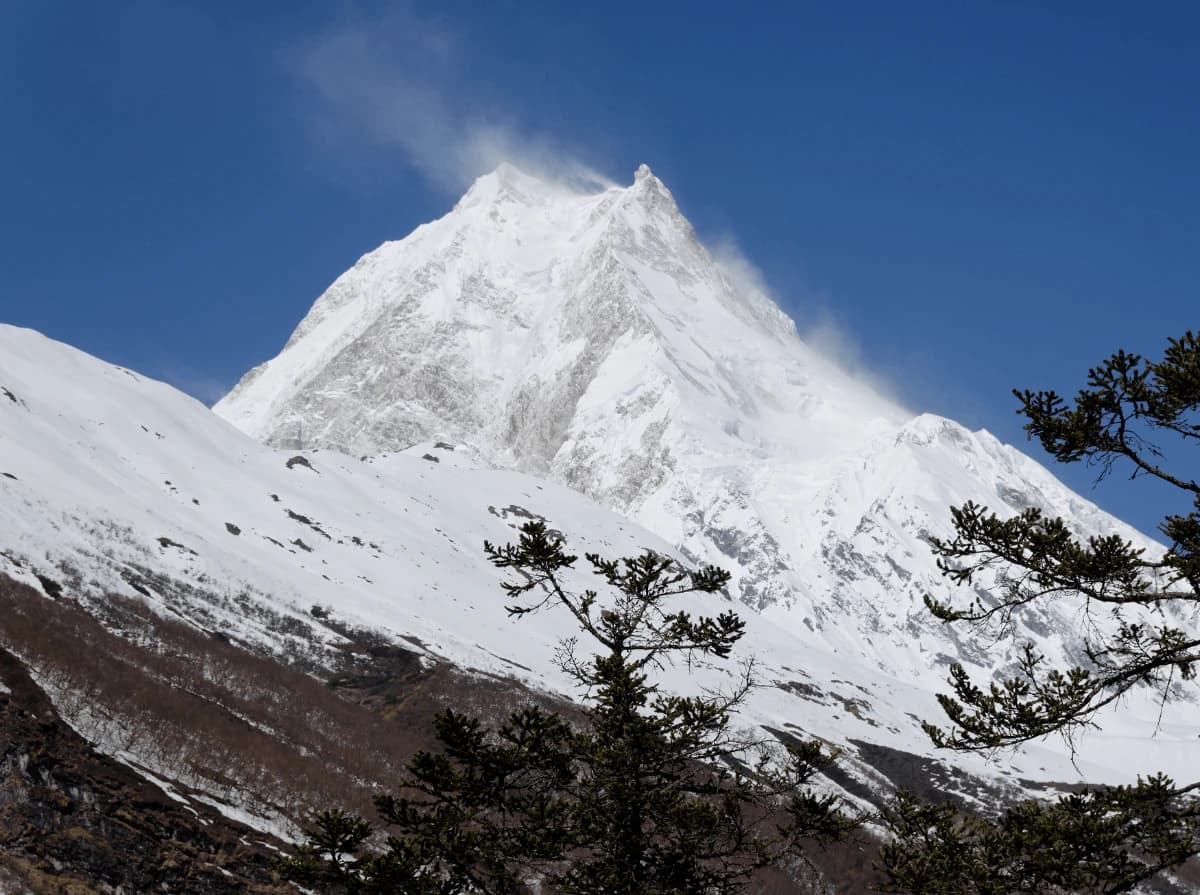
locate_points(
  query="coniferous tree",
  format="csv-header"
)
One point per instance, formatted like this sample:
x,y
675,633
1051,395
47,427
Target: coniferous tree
x,y
1104,839
652,793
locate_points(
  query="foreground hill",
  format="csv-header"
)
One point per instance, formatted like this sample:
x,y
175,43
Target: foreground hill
x,y
149,527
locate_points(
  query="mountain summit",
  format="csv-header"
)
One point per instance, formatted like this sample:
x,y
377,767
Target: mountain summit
x,y
592,339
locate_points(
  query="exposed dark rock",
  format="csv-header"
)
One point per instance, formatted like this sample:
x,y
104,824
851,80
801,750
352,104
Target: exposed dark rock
x,y
520,512
49,585
166,542
77,821
928,778
137,585
304,520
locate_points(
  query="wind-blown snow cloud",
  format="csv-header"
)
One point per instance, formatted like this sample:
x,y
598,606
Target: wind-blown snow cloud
x,y
812,312
204,388
393,84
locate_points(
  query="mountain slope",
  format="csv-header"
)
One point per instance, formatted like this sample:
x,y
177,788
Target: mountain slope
x,y
119,488
117,492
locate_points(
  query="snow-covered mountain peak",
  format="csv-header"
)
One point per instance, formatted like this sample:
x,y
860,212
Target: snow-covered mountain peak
x,y
524,280
508,184
926,428
590,338
650,190
511,197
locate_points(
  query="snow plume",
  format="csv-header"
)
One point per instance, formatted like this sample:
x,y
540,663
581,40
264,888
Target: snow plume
x,y
394,84
812,312
206,389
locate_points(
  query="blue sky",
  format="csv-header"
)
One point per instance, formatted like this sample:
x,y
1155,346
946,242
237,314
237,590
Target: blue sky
x,y
963,198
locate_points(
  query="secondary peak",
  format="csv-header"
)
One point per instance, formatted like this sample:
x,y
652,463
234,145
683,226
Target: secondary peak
x,y
506,183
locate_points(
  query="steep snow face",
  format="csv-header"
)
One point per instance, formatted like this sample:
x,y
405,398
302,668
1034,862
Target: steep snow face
x,y
593,340
112,484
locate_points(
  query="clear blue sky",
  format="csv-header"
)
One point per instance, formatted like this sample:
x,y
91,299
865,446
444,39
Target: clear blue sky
x,y
975,195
